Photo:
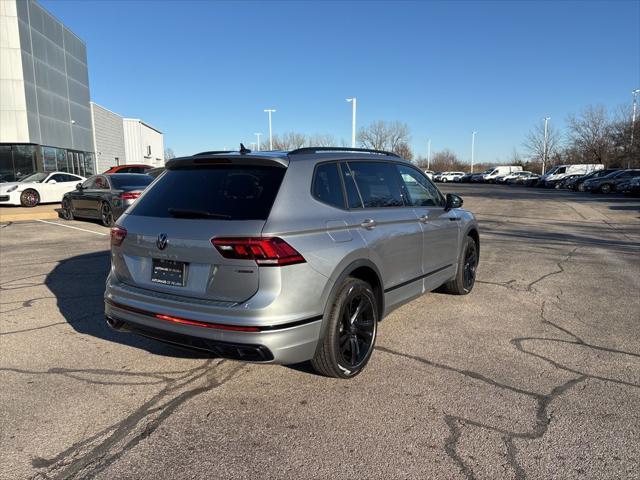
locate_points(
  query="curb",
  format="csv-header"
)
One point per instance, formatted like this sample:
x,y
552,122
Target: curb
x,y
24,217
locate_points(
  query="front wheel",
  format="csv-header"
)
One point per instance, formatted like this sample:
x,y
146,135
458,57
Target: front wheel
x,y
67,212
465,278
606,188
444,180
29,198
350,336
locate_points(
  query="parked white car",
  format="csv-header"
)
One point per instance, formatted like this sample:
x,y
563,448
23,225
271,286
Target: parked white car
x,y
39,187
429,174
445,177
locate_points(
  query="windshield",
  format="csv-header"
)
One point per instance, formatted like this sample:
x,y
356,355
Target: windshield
x,y
35,177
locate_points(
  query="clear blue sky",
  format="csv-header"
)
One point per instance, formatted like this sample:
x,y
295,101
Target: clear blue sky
x,y
203,72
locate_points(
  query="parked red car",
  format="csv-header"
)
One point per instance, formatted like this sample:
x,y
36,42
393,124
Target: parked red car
x,y
133,168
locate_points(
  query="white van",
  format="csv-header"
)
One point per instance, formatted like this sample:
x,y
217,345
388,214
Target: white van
x,y
560,171
500,171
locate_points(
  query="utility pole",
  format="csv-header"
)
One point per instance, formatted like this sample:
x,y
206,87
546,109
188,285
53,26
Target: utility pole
x,y
270,111
353,102
429,155
473,148
633,123
258,135
544,151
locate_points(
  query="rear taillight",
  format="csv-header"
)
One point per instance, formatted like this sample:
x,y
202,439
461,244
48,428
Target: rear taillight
x,y
130,195
118,234
266,252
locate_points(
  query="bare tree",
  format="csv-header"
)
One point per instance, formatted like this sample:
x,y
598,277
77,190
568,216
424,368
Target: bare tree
x,y
590,134
321,140
390,136
445,161
534,142
289,141
623,152
168,154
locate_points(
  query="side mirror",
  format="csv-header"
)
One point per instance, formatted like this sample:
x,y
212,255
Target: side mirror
x,y
79,186
52,182
452,201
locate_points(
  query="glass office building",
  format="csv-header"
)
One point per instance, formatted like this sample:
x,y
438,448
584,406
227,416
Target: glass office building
x,y
45,117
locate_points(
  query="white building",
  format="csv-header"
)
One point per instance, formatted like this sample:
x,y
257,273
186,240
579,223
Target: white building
x,y
143,143
108,137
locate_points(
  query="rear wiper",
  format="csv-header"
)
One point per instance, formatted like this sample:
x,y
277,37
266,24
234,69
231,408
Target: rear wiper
x,y
180,213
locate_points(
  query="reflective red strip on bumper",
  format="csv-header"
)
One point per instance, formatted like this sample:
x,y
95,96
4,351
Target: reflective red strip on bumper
x,y
183,321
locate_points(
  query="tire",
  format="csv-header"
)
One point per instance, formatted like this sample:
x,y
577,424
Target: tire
x,y
581,187
444,180
67,212
106,215
346,347
465,278
606,188
29,198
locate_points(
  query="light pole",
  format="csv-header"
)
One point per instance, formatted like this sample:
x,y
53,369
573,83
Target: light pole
x,y
633,122
473,148
258,136
544,148
270,111
429,155
353,102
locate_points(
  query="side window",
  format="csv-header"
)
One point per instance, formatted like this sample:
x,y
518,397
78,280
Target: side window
x,y
101,183
89,183
58,177
327,186
353,197
420,191
561,170
377,183
72,178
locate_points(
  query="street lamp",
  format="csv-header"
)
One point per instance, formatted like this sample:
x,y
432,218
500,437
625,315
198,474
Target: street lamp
x,y
258,135
429,155
633,122
544,148
353,102
270,111
473,148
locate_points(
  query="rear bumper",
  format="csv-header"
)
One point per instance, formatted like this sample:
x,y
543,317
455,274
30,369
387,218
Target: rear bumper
x,y
289,343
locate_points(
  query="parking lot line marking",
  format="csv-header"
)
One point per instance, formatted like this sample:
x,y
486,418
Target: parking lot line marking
x,y
71,226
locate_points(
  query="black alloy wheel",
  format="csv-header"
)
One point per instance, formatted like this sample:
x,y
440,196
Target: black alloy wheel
x,y
470,266
106,215
356,329
606,188
67,213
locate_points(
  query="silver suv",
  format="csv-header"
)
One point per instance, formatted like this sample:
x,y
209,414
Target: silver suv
x,y
285,257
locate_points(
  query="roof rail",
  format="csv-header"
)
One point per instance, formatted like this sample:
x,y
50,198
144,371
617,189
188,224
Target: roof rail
x,y
213,152
301,151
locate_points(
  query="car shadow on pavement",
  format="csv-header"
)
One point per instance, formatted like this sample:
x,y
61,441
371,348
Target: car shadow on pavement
x,y
78,284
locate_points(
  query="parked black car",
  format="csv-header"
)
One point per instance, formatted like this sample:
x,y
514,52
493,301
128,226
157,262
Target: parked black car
x,y
631,185
561,182
577,183
608,183
104,197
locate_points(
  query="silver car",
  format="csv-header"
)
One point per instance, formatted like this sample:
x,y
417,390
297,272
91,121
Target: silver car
x,y
285,257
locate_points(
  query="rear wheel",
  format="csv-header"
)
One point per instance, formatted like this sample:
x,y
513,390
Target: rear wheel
x,y
465,279
581,187
351,332
106,215
29,198
444,180
67,212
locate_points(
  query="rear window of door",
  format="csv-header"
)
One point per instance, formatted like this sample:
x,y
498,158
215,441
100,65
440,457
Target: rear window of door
x,y
420,191
229,192
378,184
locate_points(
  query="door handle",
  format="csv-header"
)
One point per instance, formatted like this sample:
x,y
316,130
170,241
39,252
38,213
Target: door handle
x,y
368,223
423,218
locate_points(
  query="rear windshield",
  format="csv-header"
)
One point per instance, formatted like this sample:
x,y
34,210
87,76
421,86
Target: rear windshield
x,y
229,192
127,181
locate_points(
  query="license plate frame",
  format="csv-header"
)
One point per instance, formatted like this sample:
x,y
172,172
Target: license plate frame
x,y
168,272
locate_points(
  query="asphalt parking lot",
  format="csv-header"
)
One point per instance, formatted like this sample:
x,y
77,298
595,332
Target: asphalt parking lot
x,y
536,374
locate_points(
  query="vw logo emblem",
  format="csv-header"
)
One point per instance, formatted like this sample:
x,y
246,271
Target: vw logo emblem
x,y
161,242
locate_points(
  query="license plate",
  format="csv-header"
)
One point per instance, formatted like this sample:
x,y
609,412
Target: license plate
x,y
168,272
